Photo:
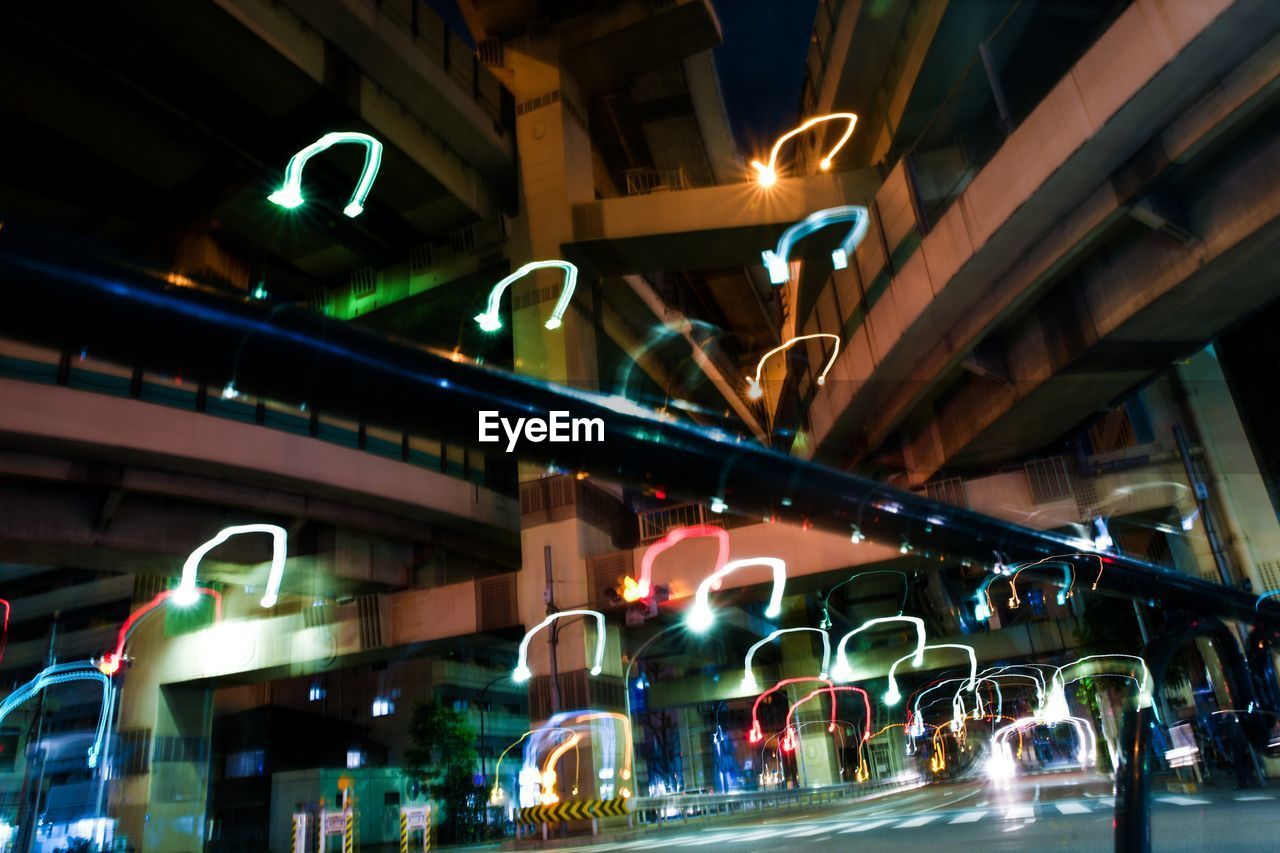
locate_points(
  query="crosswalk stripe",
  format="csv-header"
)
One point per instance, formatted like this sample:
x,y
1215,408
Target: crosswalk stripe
x,y
1020,813
807,832
863,827
969,817
712,840
1071,808
1183,801
1109,802
1248,798
917,821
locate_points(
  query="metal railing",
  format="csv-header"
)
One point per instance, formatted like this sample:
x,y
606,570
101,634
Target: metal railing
x,y
667,807
654,524
646,181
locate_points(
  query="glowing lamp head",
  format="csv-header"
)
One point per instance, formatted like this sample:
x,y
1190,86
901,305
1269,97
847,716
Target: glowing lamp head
x,y
353,210
857,536
286,197
765,175
1062,597
595,670
269,600
842,672
552,323
520,674
893,697
185,596
700,619
749,683
488,322
776,266
839,259
773,611
982,612
109,664
755,735
825,164
754,391
789,741
624,793
718,505
632,591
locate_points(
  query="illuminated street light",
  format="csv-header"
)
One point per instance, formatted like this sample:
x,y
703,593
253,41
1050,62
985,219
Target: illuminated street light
x,y
777,260
767,173
489,320
185,595
521,672
700,618
289,195
755,391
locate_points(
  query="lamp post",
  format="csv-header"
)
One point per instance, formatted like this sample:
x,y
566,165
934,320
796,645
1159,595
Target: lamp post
x,y
626,679
484,765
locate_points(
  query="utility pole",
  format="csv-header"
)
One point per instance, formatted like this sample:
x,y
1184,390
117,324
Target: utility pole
x,y
555,630
31,798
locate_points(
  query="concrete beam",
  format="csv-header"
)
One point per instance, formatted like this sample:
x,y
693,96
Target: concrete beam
x,y
407,96
706,228
1036,207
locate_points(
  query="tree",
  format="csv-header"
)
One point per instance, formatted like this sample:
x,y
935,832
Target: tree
x,y
443,758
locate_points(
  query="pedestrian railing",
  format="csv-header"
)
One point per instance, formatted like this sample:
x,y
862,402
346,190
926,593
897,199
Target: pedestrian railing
x,y
679,806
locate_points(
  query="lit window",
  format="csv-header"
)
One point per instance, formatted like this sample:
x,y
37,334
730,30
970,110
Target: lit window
x,y
383,707
244,764
316,693
355,758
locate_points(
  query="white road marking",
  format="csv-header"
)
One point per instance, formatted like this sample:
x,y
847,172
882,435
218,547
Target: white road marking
x,y
1071,808
1109,802
1183,801
1248,798
969,817
863,827
1020,813
806,832
917,821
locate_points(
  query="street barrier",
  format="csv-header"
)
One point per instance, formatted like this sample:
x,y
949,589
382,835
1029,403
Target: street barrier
x,y
574,810
662,808
415,828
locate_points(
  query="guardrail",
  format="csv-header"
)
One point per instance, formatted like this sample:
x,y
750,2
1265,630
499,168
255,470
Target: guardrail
x,y
664,808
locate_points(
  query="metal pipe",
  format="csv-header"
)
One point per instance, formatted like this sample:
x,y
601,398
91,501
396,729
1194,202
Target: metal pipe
x,y
294,355
1133,785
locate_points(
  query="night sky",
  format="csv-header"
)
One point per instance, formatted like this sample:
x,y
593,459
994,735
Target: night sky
x,y
761,65
761,62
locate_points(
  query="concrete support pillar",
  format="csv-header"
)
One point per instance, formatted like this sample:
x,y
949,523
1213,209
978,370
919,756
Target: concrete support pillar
x,y
1251,532
817,761
555,173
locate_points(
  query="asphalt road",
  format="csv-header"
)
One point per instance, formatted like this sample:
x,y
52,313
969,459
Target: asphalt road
x,y
1057,812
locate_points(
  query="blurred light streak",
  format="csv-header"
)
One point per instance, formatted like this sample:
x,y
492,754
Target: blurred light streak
x,y
777,260
634,591
749,677
892,697
755,735
767,173
290,193
755,391
700,618
521,672
842,671
62,673
185,594
489,320
109,664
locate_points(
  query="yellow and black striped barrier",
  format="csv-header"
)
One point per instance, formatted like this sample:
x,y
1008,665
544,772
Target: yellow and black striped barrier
x,y
574,810
349,833
415,819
